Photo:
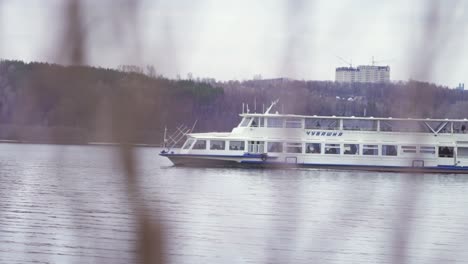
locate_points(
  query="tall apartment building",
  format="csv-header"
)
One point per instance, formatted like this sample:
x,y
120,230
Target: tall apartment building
x,y
363,74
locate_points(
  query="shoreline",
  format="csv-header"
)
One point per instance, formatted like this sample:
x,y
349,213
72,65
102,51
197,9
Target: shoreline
x,y
9,141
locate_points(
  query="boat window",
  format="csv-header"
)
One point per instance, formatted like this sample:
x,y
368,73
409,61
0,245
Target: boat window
x,y
293,147
389,150
408,149
275,147
427,150
462,152
245,121
188,143
351,149
313,148
257,122
275,122
236,145
370,150
332,148
217,144
200,144
294,123
322,123
445,152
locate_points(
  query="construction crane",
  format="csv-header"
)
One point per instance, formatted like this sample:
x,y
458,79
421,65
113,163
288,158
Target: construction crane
x,y
374,61
345,61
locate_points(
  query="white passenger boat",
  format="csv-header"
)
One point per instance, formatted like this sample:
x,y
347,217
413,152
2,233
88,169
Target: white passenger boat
x,y
367,143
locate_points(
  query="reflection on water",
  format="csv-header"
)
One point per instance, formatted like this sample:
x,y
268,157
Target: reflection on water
x,y
63,204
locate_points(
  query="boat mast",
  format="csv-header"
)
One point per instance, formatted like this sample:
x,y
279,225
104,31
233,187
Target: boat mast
x,y
271,106
165,139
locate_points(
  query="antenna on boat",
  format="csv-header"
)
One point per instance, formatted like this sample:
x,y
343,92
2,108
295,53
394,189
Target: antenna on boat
x,y
248,110
271,106
165,138
243,108
255,104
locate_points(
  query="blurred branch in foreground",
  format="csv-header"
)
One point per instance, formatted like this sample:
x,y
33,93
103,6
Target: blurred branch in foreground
x,y
125,119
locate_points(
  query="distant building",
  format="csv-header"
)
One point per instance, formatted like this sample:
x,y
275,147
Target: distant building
x,y
346,74
461,86
363,74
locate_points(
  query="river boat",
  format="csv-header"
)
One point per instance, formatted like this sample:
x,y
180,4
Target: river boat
x,y
335,142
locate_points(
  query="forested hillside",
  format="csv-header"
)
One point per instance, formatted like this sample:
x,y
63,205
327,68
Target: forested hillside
x,y
77,104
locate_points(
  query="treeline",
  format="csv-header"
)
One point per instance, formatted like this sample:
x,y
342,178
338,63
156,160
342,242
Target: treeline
x,y
52,103
69,100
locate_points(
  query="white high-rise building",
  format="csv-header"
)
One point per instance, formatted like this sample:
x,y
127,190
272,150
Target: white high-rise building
x,y
363,74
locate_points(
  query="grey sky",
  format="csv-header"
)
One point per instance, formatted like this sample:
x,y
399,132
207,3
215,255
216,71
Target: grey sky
x,y
237,39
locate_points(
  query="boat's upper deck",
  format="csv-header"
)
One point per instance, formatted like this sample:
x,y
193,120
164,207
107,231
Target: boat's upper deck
x,y
378,124
351,117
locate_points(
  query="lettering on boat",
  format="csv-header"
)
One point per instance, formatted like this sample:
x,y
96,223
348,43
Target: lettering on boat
x,y
324,134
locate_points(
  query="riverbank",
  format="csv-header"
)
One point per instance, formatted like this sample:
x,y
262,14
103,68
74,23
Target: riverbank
x,y
65,135
7,141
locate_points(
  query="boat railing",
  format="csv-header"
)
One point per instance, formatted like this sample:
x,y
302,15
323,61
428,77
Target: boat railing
x,y
177,136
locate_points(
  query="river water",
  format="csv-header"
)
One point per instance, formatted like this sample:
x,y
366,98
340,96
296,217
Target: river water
x,y
68,204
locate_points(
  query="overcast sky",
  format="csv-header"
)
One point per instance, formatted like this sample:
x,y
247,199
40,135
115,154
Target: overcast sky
x,y
239,39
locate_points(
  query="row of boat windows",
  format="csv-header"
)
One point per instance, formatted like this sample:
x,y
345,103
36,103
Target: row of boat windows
x,y
319,148
355,149
355,124
213,145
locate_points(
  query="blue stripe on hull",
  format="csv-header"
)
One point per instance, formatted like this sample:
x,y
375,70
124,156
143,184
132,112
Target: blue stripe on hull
x,y
437,169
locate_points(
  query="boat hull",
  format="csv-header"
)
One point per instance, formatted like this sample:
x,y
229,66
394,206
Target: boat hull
x,y
200,162
257,162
